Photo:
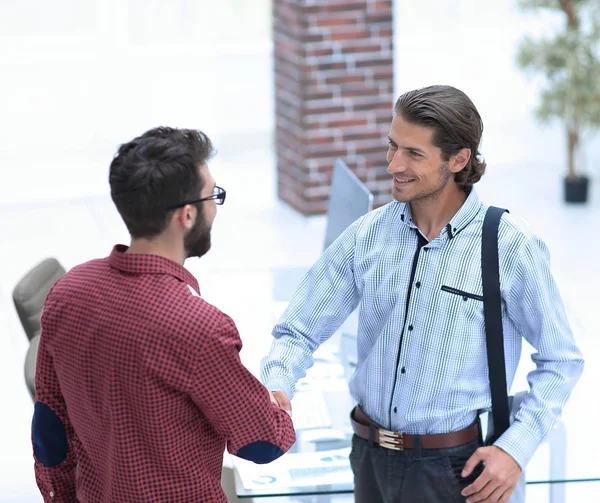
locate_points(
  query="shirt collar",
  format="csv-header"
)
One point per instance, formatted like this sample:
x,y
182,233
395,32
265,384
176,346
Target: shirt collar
x,y
466,213
137,263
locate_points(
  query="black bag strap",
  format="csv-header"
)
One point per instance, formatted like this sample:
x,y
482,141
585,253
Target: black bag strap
x,y
492,309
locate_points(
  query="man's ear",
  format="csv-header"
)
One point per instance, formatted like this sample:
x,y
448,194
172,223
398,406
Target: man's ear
x,y
185,216
190,214
459,160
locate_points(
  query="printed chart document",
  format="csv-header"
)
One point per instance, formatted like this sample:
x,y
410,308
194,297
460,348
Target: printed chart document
x,y
297,470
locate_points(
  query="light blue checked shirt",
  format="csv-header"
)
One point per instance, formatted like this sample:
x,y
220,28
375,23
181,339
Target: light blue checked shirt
x,y
422,361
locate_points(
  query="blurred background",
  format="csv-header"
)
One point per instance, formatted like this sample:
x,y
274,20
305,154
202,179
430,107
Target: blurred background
x,y
79,77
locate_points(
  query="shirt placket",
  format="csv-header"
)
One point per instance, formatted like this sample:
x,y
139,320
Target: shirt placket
x,y
402,371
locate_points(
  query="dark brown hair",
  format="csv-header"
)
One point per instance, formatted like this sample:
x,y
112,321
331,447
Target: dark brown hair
x,y
456,122
154,171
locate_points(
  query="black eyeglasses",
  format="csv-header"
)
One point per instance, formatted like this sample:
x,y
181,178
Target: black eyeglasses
x,y
218,195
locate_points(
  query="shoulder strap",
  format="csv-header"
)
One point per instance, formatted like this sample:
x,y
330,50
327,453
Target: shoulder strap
x,y
492,309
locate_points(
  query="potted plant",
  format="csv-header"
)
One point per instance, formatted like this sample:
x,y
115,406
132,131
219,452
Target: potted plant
x,y
570,62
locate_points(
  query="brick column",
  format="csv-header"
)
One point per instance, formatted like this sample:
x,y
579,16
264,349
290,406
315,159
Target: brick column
x,y
334,96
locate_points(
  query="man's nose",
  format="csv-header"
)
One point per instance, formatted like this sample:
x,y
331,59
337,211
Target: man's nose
x,y
396,164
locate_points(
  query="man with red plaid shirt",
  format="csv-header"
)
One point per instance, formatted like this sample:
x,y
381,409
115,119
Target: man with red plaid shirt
x,y
139,384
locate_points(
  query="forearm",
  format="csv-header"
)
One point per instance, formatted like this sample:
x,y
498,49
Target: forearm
x,y
289,359
234,402
325,298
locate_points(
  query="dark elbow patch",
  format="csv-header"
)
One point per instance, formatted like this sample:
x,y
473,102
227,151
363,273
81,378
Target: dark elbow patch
x,y
50,445
260,452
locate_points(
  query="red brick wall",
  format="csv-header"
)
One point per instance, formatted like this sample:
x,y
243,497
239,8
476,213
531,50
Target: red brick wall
x,y
334,96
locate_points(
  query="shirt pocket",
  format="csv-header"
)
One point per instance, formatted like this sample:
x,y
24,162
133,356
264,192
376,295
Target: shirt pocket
x,y
462,320
465,295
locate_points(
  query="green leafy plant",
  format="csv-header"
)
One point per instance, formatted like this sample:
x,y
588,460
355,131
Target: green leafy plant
x,y
570,61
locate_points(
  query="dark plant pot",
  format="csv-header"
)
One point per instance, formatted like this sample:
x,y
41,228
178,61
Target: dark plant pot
x,y
576,189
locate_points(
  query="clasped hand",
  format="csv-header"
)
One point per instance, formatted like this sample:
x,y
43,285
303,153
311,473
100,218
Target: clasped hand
x,y
280,399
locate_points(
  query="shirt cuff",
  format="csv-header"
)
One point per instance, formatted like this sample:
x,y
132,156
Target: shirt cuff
x,y
518,442
278,383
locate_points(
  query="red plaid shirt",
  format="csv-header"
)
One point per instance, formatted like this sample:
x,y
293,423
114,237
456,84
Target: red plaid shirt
x,y
140,388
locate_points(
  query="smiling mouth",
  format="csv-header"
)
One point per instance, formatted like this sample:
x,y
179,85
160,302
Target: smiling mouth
x,y
402,182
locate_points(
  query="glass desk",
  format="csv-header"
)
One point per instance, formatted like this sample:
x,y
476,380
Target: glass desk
x,y
565,468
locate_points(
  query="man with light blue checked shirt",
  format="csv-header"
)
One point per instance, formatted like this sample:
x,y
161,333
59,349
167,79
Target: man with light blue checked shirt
x,y
413,268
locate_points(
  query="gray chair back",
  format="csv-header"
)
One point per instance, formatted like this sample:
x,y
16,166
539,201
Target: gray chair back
x,y
349,200
28,296
30,292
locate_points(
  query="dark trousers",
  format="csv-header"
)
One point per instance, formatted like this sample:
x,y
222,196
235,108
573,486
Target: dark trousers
x,y
410,476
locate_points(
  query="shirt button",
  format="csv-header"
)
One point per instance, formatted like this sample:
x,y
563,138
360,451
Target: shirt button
x,y
395,410
410,328
418,284
403,370
51,494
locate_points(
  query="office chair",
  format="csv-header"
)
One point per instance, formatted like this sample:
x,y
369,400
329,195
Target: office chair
x,y
28,296
349,199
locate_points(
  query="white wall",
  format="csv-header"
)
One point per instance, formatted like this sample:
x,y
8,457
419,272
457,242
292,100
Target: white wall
x,y
471,44
78,77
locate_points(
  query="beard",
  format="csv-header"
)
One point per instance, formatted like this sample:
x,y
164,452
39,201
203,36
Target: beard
x,y
197,240
444,175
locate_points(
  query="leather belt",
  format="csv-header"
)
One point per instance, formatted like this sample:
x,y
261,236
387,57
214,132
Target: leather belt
x,y
398,441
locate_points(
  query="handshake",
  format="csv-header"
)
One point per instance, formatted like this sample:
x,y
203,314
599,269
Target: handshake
x,y
280,399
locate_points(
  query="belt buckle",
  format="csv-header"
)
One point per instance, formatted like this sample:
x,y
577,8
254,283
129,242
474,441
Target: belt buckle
x,y
391,440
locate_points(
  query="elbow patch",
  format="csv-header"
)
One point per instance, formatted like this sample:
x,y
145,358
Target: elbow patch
x,y
50,445
260,452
